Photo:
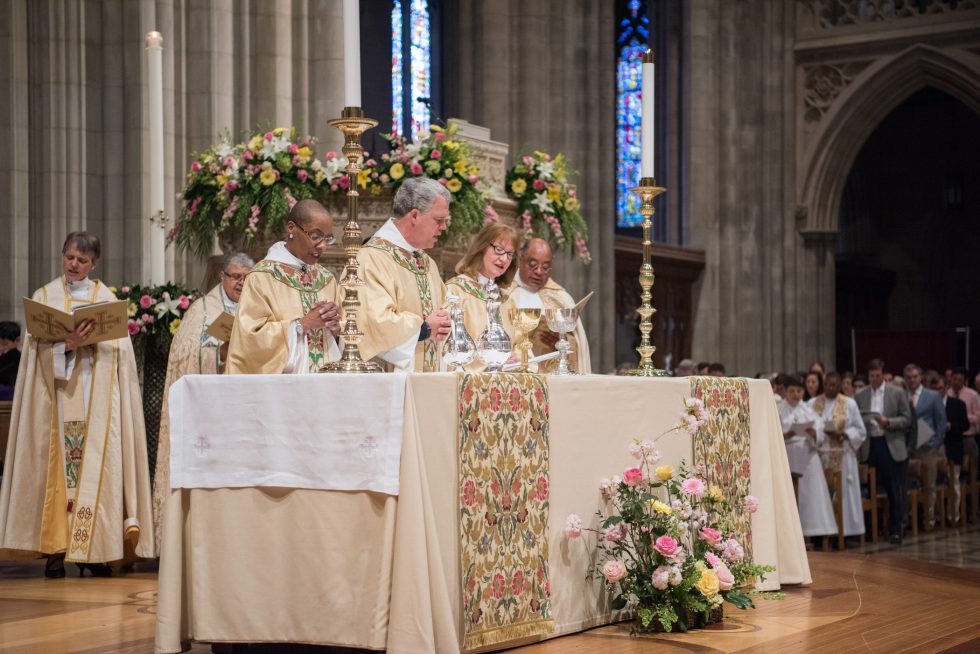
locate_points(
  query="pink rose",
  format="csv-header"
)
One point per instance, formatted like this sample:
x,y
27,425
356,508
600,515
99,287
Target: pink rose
x,y
732,550
440,136
538,184
725,577
660,577
146,302
196,167
693,486
474,179
125,289
436,154
442,180
134,328
712,560
331,155
183,302
710,536
302,175
573,526
613,534
666,546
632,476
751,503
268,136
613,571
416,168
293,148
247,155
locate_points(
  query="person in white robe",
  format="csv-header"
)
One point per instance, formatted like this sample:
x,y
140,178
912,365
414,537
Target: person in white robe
x,y
845,432
76,481
403,316
193,351
288,316
816,510
533,288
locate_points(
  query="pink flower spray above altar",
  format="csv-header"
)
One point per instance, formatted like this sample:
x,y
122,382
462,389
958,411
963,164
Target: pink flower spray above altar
x,y
665,549
547,204
155,311
239,192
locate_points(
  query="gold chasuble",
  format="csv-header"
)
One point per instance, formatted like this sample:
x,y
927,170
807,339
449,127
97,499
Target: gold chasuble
x,y
400,289
275,295
473,301
76,477
192,352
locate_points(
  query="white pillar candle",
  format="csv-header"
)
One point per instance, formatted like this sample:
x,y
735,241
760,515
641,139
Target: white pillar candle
x,y
352,53
646,124
154,69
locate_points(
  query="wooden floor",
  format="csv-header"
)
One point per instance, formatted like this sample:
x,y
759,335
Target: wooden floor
x,y
859,602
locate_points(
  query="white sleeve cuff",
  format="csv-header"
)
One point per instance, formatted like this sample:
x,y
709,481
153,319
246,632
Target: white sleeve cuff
x,y
403,356
298,360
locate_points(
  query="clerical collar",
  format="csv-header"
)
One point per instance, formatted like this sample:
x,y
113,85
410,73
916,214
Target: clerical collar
x,y
390,232
79,289
482,279
278,252
226,301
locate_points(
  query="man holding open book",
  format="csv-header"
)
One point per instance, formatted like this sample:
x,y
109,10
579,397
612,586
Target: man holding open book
x,y
76,482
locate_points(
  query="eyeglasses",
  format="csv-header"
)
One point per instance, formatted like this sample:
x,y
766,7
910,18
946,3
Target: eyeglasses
x,y
329,239
500,252
543,267
237,277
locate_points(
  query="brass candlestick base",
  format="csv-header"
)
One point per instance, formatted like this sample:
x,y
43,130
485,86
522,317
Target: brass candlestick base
x,y
647,189
352,123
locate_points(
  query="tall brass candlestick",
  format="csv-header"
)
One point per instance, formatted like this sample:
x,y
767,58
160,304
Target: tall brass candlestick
x,y
647,189
352,123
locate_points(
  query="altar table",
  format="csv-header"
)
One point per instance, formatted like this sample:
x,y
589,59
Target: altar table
x,y
375,571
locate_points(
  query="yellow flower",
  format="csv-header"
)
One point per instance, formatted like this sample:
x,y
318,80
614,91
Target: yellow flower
x,y
714,493
660,507
267,177
363,177
454,184
113,289
435,128
707,583
572,204
174,324
255,144
518,186
460,167
131,309
473,170
397,171
664,472
222,180
320,176
450,145
554,194
278,131
305,152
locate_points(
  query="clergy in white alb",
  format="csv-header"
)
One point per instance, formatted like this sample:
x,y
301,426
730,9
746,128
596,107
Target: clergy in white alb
x,y
402,301
76,480
813,497
533,287
492,256
845,432
193,351
288,316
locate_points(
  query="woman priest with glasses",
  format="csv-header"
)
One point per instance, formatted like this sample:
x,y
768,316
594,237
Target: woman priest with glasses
x,y
288,318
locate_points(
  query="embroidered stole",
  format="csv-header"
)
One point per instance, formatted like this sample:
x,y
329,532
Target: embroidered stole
x,y
840,410
418,265
465,284
308,284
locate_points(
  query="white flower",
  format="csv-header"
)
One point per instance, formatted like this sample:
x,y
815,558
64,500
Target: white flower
x,y
675,575
660,577
546,169
573,526
542,202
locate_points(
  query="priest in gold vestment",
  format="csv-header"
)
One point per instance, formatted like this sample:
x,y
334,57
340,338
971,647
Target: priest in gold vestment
x,y
403,318
288,318
534,287
492,255
76,480
195,352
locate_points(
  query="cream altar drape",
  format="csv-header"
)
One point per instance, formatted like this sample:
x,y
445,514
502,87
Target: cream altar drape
x,y
357,548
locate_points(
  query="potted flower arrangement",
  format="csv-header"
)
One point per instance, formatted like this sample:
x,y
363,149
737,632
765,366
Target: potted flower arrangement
x,y
437,153
241,193
155,313
665,548
547,204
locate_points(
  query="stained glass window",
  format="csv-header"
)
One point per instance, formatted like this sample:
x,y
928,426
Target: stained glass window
x,y
631,42
411,66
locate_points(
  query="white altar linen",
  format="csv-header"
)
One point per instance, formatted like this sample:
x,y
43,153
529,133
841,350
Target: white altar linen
x,y
340,432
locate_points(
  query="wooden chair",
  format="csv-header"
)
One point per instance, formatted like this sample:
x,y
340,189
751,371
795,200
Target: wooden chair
x,y
874,502
832,460
917,472
968,490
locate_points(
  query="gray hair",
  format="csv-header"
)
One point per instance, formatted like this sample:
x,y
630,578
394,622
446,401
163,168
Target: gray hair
x,y
239,258
418,193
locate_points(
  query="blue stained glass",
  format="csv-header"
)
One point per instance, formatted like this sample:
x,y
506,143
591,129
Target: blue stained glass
x,y
421,66
629,113
397,112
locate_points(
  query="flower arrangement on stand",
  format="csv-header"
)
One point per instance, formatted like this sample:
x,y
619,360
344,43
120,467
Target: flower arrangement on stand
x,y
665,549
239,193
547,204
437,153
